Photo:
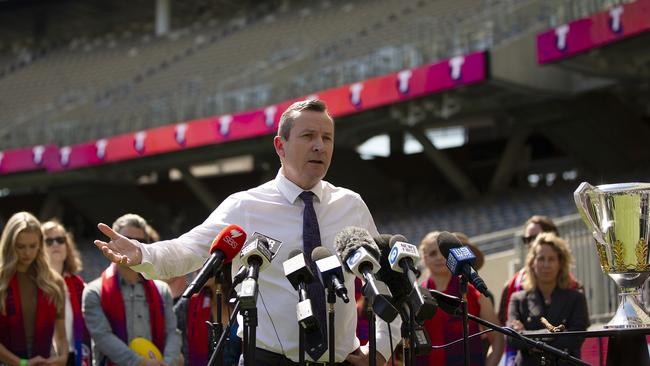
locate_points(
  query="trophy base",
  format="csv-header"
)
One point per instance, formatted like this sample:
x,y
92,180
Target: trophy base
x,y
630,313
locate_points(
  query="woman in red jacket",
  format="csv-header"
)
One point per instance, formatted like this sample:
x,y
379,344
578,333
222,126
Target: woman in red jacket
x,y
444,328
32,302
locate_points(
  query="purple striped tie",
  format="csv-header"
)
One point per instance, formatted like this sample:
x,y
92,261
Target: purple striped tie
x,y
315,290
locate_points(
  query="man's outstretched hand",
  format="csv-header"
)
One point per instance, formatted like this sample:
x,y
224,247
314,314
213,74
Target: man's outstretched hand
x,y
119,249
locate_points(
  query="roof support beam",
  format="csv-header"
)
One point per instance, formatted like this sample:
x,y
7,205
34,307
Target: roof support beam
x,y
199,189
458,179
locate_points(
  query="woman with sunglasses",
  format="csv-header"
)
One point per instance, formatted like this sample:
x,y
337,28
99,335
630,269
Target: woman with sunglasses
x,y
535,225
548,301
65,260
32,298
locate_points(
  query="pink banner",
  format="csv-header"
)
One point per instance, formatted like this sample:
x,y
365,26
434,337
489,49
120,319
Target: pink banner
x,y
344,100
25,159
567,40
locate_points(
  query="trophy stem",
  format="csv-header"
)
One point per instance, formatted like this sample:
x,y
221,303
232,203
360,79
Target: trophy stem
x,y
630,312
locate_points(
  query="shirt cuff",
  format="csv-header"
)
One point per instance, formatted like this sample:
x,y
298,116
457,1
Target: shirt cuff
x,y
146,267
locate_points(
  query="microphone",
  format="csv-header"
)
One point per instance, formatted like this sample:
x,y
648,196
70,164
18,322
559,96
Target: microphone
x,y
403,258
299,275
239,276
224,248
460,259
359,254
256,255
398,284
448,303
331,272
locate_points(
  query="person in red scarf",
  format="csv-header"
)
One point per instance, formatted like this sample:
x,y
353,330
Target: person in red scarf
x,y
201,308
121,305
31,298
444,328
64,258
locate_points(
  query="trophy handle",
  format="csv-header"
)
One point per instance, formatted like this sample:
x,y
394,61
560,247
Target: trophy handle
x,y
586,209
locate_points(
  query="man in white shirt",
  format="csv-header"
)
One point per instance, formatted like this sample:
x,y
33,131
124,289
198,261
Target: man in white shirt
x,y
304,143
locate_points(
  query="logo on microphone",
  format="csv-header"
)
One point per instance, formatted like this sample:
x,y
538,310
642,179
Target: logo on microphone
x,y
354,259
392,257
230,241
451,264
463,253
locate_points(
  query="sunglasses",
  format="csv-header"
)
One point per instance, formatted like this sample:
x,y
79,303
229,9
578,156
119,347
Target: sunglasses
x,y
60,240
528,239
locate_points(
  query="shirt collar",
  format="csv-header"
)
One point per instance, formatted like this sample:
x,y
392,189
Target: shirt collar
x,y
291,191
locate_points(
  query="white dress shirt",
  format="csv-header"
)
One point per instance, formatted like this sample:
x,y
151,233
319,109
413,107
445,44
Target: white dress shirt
x,y
274,209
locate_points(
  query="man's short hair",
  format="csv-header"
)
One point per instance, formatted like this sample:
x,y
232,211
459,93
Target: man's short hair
x,y
545,223
288,116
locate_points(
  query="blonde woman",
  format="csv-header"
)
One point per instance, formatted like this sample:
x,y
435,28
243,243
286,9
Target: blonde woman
x,y
548,294
65,260
443,328
32,300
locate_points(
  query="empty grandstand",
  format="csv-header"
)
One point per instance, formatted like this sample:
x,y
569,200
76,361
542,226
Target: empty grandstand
x,y
78,73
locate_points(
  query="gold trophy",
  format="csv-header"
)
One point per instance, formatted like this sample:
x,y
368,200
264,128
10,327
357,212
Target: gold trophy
x,y
619,218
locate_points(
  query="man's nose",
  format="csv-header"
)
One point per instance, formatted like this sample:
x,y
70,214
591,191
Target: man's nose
x,y
318,144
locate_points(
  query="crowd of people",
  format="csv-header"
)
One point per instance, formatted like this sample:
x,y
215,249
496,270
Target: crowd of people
x,y
49,316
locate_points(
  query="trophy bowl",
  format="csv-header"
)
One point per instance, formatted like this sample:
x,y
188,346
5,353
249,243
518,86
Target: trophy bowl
x,y
619,217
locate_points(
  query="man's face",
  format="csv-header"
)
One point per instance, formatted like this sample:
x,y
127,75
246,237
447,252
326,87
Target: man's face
x,y
306,155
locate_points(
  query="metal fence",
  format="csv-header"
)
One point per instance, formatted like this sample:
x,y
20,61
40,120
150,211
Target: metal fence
x,y
600,290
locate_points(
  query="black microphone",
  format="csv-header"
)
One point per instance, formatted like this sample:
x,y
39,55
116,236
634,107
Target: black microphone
x,y
331,272
299,275
399,286
448,303
360,255
460,259
239,276
256,255
404,296
403,258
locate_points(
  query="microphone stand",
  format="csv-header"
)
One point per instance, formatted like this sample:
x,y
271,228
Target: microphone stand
x,y
530,343
248,305
372,335
464,316
216,328
331,301
405,334
216,353
302,294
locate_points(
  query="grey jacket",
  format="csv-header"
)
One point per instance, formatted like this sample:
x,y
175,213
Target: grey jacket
x,y
106,344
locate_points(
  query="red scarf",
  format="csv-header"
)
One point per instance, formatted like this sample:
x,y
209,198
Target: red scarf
x,y
80,334
198,312
444,328
12,335
113,307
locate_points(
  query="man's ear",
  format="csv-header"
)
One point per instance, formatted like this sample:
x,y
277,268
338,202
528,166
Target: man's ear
x,y
278,143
